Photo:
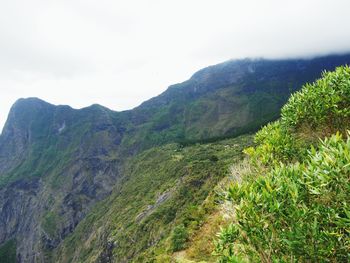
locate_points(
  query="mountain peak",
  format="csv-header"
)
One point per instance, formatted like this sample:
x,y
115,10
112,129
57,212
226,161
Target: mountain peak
x,y
24,111
31,102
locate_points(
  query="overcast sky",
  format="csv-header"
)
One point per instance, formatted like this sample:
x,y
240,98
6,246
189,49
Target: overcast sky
x,y
120,53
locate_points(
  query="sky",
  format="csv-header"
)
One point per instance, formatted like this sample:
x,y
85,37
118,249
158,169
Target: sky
x,y
121,53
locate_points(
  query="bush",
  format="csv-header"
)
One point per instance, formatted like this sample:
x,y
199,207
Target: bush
x,y
179,238
275,144
316,111
296,213
323,103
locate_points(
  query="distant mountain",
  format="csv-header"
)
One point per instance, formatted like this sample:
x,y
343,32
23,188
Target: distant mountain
x,y
58,163
225,100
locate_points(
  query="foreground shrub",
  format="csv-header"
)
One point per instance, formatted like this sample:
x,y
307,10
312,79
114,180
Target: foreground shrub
x,y
275,144
316,111
296,213
179,238
322,104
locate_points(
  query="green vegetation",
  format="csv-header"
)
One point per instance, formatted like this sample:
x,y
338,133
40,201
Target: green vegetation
x,y
293,205
50,224
317,111
179,238
324,104
275,144
299,212
220,114
8,252
159,206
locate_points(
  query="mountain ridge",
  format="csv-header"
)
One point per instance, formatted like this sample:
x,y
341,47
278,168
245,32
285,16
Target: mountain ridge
x,y
59,162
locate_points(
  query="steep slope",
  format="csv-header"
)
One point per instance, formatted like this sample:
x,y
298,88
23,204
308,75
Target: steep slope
x,y
163,188
64,164
224,100
56,163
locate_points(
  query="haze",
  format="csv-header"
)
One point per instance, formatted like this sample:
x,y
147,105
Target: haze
x,y
120,53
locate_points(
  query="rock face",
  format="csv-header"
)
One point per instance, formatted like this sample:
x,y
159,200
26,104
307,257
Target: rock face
x,y
57,174
56,162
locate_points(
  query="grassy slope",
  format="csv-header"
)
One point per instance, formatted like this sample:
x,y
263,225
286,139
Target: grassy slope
x,y
228,99
164,187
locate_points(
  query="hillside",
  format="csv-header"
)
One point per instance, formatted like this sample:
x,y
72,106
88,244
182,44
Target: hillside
x,y
94,185
163,188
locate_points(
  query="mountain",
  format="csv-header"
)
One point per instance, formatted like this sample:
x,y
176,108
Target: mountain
x,y
72,182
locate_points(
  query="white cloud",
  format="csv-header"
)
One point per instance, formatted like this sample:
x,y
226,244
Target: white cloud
x,y
120,53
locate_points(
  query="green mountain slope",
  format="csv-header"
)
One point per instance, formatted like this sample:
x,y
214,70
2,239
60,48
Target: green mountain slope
x,y
162,188
224,100
58,164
